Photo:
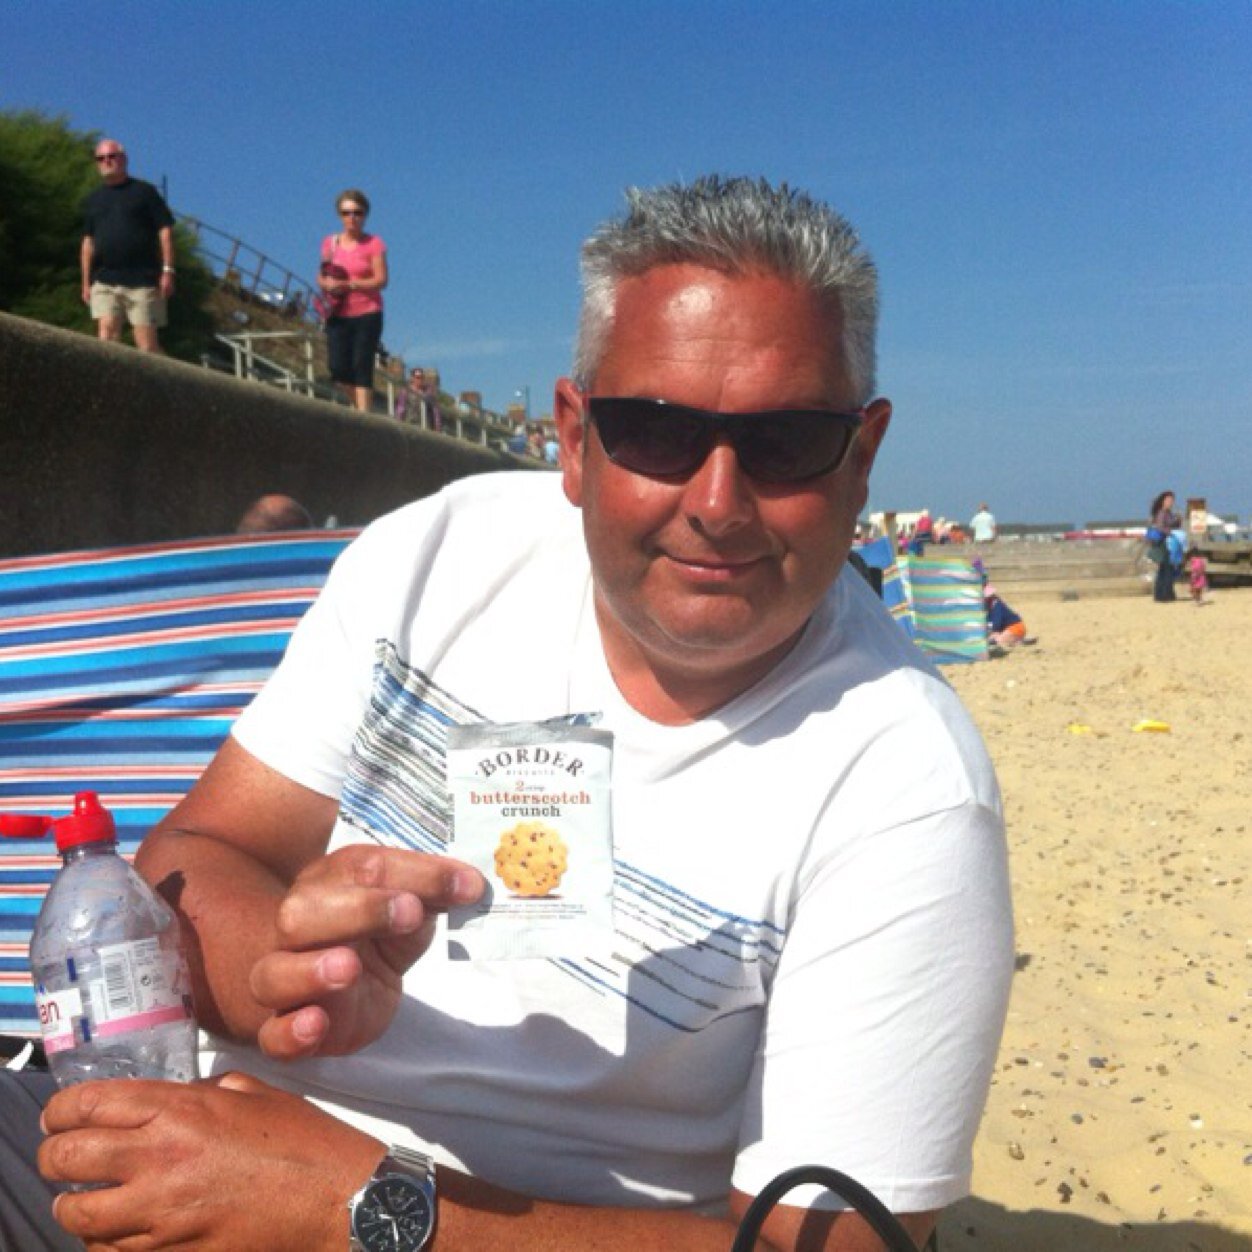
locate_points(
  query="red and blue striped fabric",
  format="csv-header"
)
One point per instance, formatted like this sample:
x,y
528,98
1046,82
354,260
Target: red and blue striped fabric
x,y
121,671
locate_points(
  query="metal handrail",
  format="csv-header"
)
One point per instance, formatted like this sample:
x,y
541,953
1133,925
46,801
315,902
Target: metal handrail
x,y
243,268
461,422
307,339
252,365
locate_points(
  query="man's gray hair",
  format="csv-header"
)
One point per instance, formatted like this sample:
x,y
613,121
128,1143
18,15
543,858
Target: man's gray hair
x,y
737,226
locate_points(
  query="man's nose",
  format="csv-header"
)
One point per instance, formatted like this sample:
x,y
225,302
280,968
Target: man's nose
x,y
719,496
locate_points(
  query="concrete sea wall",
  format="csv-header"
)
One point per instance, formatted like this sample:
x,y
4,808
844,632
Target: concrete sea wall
x,y
101,445
1059,569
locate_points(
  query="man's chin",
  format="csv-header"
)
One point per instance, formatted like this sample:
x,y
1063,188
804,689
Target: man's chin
x,y
724,641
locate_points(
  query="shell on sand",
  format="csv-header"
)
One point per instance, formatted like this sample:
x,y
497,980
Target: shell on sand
x,y
1121,1111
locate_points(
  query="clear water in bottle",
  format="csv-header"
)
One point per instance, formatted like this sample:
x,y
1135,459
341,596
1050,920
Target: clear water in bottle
x,y
111,980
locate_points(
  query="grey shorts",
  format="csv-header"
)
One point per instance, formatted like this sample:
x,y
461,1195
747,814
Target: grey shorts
x,y
140,306
26,1223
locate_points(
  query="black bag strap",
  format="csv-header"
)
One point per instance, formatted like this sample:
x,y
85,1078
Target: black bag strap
x,y
862,1200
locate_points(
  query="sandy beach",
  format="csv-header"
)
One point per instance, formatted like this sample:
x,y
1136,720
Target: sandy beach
x,y
1121,1111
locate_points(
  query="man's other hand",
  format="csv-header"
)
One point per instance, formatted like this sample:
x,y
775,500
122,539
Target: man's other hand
x,y
219,1165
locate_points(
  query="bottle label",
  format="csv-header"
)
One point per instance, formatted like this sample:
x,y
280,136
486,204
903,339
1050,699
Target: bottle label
x,y
57,1012
134,986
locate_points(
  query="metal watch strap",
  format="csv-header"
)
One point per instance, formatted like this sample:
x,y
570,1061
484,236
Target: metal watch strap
x,y
410,1161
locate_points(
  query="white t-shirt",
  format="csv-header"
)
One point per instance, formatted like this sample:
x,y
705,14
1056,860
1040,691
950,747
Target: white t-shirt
x,y
814,938
983,524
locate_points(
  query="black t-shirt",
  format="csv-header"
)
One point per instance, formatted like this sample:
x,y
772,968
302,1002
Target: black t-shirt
x,y
123,221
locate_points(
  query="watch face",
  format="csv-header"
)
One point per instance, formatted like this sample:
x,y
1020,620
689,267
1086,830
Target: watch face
x,y
394,1215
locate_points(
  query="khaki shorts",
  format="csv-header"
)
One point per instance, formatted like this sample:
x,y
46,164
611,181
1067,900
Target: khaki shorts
x,y
140,306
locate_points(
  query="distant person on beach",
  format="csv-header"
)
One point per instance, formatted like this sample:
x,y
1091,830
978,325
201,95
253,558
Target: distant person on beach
x,y
272,513
812,946
352,275
1005,628
127,253
923,533
1162,522
1198,576
983,525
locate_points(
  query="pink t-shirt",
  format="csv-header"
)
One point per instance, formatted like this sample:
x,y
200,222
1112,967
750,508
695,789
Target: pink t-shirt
x,y
356,264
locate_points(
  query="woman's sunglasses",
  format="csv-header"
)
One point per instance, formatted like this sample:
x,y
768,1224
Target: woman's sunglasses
x,y
666,440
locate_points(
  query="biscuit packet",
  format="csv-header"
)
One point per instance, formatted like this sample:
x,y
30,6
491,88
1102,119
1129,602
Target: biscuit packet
x,y
531,810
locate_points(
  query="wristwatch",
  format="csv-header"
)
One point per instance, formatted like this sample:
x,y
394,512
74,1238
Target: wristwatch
x,y
395,1210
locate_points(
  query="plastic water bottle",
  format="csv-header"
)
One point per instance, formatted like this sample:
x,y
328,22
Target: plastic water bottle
x,y
111,980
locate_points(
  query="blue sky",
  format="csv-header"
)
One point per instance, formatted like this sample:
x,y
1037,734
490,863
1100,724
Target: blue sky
x,y
1057,194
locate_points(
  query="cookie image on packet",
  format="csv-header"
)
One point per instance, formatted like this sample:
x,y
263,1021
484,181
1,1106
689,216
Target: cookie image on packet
x,y
531,859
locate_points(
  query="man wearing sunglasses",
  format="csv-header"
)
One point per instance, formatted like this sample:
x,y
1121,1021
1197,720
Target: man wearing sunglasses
x,y
812,942
127,254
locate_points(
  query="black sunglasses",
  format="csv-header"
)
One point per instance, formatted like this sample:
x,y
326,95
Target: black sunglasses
x,y
109,156
351,212
664,440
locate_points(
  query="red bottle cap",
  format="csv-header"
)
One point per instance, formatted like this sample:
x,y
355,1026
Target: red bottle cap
x,y
90,822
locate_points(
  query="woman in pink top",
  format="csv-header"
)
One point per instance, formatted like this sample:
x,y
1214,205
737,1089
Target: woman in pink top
x,y
353,274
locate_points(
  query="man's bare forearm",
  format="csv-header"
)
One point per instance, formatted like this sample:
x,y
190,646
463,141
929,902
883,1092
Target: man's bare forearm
x,y
224,859
475,1215
227,902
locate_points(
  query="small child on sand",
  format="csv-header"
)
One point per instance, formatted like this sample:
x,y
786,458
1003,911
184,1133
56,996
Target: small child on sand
x,y
1198,573
1005,629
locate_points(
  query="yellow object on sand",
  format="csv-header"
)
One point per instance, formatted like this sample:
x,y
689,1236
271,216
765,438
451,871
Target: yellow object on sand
x,y
1160,728
1080,728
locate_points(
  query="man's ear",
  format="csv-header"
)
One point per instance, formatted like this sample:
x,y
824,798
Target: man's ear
x,y
873,431
567,409
865,450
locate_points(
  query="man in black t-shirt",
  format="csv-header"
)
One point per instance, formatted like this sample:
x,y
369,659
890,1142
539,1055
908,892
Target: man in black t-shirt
x,y
127,253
